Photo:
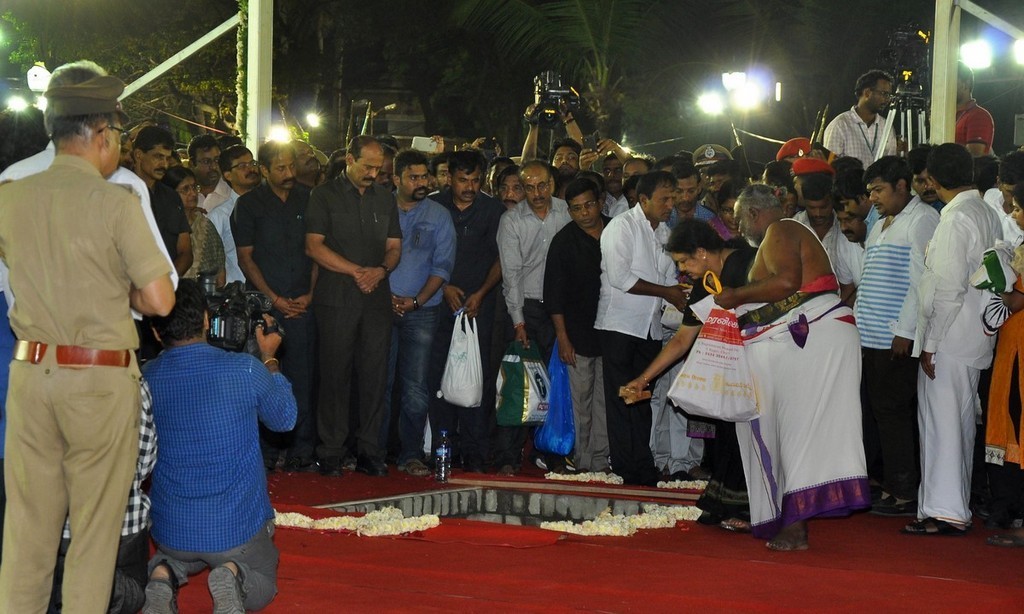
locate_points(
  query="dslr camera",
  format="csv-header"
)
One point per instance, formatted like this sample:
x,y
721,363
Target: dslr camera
x,y
550,94
235,314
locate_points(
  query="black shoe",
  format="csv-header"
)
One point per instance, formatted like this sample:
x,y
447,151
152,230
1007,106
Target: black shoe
x,y
331,466
472,466
371,467
348,463
889,505
296,464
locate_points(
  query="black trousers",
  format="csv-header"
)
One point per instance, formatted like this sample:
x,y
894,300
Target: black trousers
x,y
469,428
629,426
130,575
891,386
364,330
509,440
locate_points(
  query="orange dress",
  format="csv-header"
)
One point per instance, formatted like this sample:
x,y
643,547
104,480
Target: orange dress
x,y
1002,439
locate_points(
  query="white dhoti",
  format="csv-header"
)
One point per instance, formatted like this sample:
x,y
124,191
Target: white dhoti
x,y
946,417
804,455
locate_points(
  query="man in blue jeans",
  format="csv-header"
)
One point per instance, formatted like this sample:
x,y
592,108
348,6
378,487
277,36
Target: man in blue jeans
x,y
428,255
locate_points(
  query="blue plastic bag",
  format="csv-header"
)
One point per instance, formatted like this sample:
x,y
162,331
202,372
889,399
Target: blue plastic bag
x,y
558,433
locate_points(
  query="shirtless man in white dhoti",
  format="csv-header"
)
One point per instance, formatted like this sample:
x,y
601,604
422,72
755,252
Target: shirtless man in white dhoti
x,y
803,456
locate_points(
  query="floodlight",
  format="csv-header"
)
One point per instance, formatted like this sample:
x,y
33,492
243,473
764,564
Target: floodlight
x,y
1018,51
976,54
279,133
17,103
312,120
733,80
748,96
711,103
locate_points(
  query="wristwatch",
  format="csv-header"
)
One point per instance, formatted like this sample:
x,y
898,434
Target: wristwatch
x,y
387,271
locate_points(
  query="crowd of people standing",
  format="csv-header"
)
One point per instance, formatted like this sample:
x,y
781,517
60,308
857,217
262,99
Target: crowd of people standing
x,y
851,265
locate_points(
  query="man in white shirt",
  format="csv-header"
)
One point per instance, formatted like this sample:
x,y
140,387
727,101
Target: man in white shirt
x,y
1011,172
203,159
860,132
951,343
813,179
524,236
240,171
636,275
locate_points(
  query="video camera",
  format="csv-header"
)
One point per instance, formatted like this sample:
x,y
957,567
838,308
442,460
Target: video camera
x,y
907,58
550,95
235,313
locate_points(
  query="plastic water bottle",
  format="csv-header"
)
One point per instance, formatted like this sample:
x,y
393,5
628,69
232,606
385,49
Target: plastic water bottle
x,y
443,458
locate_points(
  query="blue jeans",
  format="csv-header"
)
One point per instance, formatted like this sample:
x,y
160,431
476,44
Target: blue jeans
x,y
411,338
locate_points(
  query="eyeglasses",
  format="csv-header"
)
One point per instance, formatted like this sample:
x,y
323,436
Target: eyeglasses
x,y
540,187
882,93
188,189
118,130
244,165
590,204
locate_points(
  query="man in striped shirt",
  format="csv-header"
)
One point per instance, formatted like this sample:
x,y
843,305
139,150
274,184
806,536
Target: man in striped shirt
x,y
886,312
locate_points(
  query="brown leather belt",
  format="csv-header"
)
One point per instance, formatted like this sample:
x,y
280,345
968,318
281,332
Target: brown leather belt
x,y
72,355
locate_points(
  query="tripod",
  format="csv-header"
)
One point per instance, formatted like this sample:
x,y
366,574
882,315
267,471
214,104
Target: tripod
x,y
908,110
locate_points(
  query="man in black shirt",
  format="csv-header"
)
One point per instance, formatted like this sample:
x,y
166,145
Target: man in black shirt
x,y
151,152
476,273
270,232
572,285
352,232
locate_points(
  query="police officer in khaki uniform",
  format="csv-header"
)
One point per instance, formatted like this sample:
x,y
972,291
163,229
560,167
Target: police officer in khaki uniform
x,y
80,254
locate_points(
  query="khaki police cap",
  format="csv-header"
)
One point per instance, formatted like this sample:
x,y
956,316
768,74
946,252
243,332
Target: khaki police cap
x,y
709,154
97,95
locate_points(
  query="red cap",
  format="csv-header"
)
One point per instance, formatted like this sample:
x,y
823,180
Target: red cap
x,y
794,148
810,166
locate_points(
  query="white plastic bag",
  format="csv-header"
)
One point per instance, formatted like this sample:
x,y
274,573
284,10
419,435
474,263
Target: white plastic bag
x,y
463,381
715,380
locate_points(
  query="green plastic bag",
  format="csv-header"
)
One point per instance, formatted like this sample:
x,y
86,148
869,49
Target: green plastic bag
x,y
523,387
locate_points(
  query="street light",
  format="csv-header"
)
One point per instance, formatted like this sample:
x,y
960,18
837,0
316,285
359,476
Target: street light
x,y
17,104
279,133
976,54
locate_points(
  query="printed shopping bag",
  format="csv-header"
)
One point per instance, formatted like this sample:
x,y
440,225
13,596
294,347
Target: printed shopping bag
x,y
522,387
715,379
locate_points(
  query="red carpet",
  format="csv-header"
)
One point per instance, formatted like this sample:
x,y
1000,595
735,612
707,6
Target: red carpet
x,y
860,563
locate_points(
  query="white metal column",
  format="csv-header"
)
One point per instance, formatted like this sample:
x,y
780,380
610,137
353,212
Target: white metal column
x,y
946,43
260,70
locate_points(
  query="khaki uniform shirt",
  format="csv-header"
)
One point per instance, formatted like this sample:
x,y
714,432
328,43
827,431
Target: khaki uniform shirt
x,y
75,245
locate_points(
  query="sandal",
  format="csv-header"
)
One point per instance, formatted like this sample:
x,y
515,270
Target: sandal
x,y
934,526
1006,541
736,525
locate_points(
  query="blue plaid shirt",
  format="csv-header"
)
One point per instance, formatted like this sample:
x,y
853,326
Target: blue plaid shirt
x,y
209,491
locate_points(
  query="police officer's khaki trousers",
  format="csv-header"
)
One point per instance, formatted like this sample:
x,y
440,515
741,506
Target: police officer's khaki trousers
x,y
72,444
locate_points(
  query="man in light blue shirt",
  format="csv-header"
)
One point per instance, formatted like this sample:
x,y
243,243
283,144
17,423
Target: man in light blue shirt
x,y
428,255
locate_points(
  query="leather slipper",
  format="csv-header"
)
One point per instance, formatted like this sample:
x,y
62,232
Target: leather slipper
x,y
736,525
1006,541
933,526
